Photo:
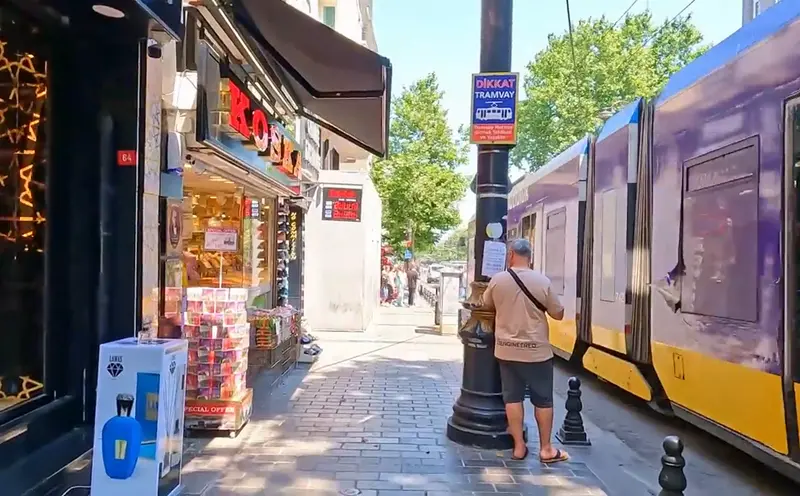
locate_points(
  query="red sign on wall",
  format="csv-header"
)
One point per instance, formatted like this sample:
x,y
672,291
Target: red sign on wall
x,y
126,158
268,138
342,204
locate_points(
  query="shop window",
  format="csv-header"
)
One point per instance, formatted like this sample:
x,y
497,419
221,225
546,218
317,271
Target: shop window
x,y
555,237
329,17
720,224
608,244
229,237
334,159
23,212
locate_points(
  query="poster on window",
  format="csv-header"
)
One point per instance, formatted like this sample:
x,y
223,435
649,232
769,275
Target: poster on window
x,y
219,239
341,204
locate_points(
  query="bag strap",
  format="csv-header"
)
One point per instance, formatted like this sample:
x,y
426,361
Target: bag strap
x,y
524,289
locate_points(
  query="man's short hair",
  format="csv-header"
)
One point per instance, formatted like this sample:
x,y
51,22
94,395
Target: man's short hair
x,y
521,247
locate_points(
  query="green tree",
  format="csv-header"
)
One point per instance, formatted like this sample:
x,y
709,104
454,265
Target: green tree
x,y
451,248
613,64
419,183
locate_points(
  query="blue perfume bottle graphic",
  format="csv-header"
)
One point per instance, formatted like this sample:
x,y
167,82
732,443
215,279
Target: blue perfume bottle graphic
x,y
122,440
148,387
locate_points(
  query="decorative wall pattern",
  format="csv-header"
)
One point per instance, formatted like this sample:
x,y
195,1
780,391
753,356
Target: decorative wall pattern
x,y
23,223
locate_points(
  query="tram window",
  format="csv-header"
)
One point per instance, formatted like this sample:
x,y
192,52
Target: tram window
x,y
720,233
532,238
555,237
526,226
608,244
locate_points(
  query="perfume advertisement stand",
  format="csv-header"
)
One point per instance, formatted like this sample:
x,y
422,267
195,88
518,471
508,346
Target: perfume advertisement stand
x,y
139,418
218,333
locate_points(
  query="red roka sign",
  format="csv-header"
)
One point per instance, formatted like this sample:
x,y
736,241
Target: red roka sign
x,y
253,123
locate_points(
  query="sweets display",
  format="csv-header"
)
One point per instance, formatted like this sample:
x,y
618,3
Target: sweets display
x,y
273,327
216,327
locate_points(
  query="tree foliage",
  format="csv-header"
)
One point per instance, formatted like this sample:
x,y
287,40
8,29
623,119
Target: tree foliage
x,y
419,183
613,65
451,248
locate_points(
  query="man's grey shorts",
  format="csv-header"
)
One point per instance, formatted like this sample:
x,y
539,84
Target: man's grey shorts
x,y
535,376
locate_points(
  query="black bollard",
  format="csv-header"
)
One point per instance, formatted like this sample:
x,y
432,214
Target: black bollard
x,y
572,432
671,478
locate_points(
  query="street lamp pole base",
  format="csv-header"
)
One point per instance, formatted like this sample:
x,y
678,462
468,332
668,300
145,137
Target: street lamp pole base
x,y
491,440
479,414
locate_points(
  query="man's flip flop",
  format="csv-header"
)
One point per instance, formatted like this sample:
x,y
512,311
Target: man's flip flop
x,y
520,458
560,457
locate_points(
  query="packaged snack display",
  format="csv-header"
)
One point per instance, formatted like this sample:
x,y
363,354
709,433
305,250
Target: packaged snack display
x,y
217,330
275,326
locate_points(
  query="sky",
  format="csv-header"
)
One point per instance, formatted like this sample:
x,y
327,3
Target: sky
x,y
442,36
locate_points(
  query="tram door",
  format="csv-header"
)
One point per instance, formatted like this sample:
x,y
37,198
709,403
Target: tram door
x,y
791,274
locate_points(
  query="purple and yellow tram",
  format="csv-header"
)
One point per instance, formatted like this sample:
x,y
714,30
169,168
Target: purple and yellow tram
x,y
672,238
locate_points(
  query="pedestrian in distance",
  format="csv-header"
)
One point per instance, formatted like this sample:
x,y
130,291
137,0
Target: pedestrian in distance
x,y
413,277
401,283
386,288
522,298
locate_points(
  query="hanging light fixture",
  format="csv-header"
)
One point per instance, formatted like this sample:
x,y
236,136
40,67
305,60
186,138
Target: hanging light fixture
x,y
108,11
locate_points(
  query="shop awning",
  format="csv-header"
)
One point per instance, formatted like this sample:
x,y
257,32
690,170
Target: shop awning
x,y
339,84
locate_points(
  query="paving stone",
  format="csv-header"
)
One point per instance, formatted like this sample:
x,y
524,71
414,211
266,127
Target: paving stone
x,y
370,417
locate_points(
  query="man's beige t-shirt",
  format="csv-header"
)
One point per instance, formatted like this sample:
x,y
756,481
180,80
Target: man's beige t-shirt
x,y
521,330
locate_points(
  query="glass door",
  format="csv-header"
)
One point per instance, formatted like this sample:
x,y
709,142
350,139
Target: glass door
x,y
791,276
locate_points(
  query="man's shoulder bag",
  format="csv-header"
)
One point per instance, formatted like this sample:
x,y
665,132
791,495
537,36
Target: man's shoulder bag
x,y
524,289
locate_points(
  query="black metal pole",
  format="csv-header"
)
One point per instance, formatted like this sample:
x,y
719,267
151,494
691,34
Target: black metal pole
x,y
479,417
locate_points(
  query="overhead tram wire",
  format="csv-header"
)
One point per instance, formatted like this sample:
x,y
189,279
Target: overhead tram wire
x,y
624,13
651,38
572,46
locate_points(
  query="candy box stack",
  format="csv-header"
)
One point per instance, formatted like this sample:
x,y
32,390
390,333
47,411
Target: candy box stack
x,y
216,327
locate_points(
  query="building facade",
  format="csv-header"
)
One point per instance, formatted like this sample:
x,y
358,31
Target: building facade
x,y
343,228
753,8
76,143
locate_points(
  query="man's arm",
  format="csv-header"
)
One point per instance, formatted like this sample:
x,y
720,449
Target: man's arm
x,y
554,306
487,300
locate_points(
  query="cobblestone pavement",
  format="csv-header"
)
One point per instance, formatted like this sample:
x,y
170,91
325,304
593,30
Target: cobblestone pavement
x,y
370,418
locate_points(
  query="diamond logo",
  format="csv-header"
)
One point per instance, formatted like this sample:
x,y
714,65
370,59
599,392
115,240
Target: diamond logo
x,y
115,369
172,367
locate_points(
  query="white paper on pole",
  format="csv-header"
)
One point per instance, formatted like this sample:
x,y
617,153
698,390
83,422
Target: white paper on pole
x,y
494,258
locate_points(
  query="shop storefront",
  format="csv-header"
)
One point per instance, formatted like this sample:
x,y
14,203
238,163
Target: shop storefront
x,y
103,232
228,286
69,171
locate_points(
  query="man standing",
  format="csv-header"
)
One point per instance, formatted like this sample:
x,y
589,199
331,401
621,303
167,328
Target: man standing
x,y
522,299
413,277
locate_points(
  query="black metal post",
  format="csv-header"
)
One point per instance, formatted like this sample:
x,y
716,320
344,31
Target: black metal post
x,y
479,417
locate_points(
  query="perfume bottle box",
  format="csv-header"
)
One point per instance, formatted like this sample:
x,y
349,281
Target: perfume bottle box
x,y
139,417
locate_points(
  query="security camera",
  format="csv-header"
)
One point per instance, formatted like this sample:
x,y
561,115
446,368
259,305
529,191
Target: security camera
x,y
154,51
